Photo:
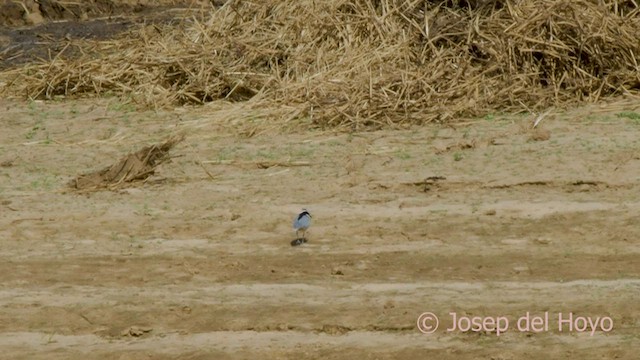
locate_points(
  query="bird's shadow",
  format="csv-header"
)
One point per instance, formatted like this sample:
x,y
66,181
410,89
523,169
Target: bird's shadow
x,y
298,241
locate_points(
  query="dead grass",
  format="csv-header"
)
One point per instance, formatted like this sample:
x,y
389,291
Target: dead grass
x,y
132,168
354,64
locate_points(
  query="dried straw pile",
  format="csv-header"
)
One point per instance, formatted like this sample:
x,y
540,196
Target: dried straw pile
x,y
366,63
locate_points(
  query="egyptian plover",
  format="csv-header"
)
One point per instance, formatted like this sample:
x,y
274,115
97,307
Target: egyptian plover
x,y
301,223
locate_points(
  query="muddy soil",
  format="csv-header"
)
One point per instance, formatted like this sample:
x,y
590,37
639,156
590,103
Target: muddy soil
x,y
30,12
196,262
40,31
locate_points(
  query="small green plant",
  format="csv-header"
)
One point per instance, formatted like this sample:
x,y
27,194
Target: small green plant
x,y
475,206
435,132
439,211
261,154
457,156
229,153
34,130
126,120
302,153
350,137
634,116
46,182
145,210
32,107
403,154
121,107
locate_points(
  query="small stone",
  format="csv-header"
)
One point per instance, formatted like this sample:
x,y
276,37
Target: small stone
x,y
521,269
136,331
542,241
297,242
34,18
539,134
335,329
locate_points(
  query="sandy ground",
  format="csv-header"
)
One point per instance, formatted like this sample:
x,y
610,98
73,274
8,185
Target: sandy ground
x,y
190,267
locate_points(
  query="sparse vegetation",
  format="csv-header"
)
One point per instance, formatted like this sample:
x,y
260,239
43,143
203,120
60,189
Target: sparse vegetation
x,y
631,115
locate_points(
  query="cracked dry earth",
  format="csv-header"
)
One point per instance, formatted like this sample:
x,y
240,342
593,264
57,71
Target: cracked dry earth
x,y
193,266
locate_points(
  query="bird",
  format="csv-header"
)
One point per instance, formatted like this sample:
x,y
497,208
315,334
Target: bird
x,y
301,223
